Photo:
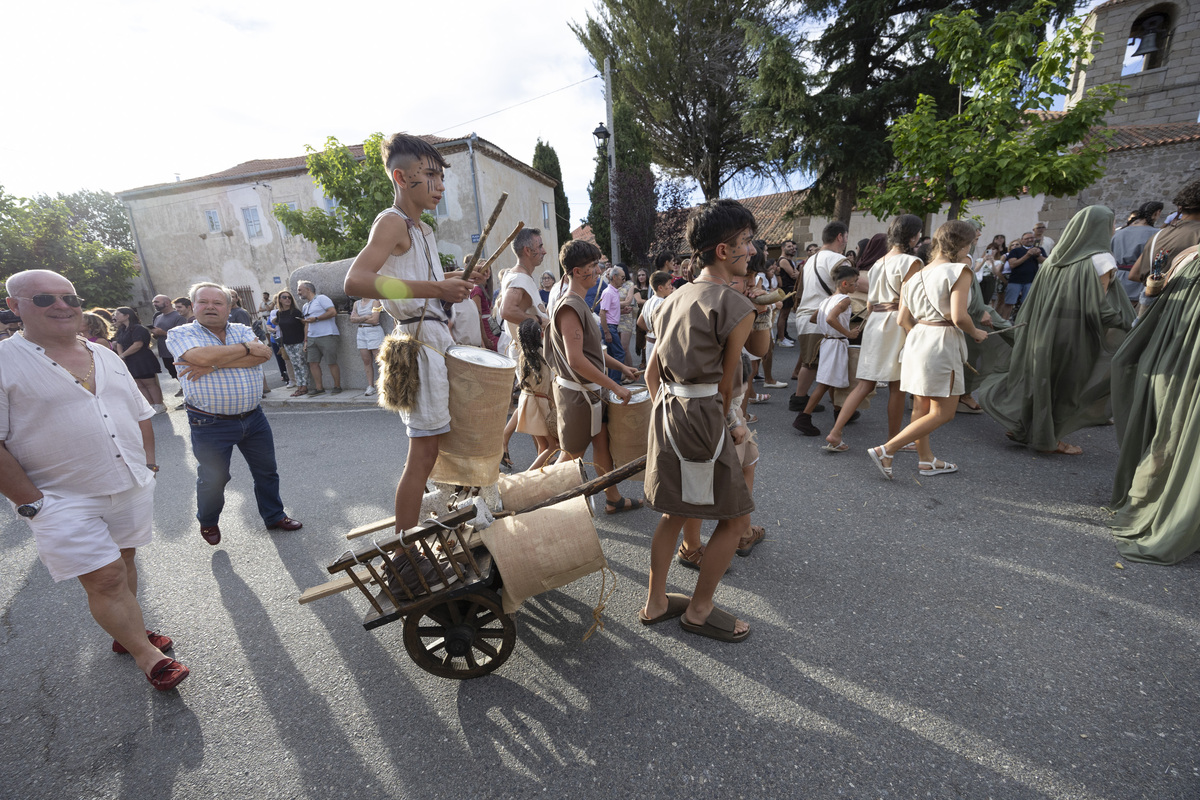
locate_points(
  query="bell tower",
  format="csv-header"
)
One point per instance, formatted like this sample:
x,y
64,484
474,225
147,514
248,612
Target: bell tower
x,y
1152,47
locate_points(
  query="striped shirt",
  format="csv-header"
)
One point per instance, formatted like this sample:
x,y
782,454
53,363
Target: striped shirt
x,y
229,390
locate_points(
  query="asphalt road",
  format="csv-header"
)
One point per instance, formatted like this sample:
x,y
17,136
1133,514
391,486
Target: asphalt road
x,y
963,636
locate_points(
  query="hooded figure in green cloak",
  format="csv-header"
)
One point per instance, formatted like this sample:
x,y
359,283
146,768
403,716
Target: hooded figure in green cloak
x,y
1156,393
1075,317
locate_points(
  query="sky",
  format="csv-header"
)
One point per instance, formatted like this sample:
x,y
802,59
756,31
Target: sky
x,y
129,93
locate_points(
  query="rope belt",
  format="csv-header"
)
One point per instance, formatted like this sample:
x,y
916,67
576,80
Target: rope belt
x,y
243,415
882,307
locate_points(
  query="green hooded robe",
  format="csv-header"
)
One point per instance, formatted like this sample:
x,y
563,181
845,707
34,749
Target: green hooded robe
x,y
1058,378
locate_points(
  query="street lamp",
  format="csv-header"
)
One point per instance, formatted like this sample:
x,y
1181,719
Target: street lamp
x,y
600,136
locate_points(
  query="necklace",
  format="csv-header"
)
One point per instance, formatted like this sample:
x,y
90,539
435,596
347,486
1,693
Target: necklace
x,y
86,379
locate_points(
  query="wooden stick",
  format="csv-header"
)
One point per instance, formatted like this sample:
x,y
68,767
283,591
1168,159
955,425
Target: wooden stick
x,y
594,486
1012,328
483,236
503,246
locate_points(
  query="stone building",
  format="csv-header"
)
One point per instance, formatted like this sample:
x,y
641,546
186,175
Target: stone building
x,y
220,227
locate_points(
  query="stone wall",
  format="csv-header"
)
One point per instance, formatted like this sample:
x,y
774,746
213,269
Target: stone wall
x,y
1132,177
1170,93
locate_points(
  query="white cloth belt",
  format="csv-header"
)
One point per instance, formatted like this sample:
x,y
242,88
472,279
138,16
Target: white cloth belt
x,y
690,390
579,387
695,477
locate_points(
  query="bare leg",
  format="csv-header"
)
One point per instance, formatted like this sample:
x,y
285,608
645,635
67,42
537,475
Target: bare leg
x,y
895,408
814,399
544,451
691,534
368,365
510,427
928,415
717,556
116,610
662,550
144,388
604,463
335,372
422,455
767,361
804,380
860,390
314,376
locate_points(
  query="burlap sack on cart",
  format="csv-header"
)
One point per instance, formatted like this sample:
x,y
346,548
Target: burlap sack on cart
x,y
521,490
544,549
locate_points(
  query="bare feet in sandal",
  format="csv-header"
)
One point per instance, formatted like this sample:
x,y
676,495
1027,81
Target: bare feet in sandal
x,y
1064,449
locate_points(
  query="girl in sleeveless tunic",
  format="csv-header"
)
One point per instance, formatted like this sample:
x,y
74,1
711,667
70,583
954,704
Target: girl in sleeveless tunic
x,y
535,408
578,362
933,310
883,338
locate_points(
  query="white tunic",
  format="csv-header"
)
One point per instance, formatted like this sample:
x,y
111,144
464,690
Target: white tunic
x,y
883,338
834,366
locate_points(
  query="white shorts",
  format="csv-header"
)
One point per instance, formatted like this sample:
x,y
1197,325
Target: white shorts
x,y
77,535
369,338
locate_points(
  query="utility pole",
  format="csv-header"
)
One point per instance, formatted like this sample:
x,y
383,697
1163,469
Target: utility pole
x,y
614,254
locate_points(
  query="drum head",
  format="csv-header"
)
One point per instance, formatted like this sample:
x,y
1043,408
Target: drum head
x,y
480,357
638,393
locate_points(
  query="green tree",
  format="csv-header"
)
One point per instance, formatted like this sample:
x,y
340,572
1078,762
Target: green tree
x,y
681,66
98,216
1004,141
598,198
545,159
827,103
45,234
361,189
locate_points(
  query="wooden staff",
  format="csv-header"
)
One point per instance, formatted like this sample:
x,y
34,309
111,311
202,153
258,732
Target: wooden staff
x,y
483,236
1013,328
503,246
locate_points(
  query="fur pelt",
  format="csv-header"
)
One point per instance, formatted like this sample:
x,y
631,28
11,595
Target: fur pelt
x,y
399,380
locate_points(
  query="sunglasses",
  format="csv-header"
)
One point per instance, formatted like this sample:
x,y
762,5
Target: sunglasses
x,y
47,300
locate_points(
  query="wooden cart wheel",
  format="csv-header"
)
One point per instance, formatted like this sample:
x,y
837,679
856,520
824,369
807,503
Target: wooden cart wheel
x,y
465,637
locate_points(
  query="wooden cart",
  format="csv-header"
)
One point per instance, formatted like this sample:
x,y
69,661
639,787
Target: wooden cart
x,y
443,584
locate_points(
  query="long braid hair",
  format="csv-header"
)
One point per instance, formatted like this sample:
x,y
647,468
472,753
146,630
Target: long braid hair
x,y
530,337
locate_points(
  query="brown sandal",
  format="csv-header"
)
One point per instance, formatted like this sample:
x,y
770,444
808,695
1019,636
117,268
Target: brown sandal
x,y
690,558
746,543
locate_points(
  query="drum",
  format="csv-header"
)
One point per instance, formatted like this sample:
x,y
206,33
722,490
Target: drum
x,y
481,384
544,549
628,426
521,490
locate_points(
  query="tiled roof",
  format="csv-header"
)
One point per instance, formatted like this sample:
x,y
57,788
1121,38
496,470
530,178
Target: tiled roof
x,y
274,166
584,232
771,213
1132,137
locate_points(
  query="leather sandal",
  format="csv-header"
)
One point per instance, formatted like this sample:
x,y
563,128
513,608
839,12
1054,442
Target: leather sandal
x,y
624,504
163,643
746,543
167,674
690,558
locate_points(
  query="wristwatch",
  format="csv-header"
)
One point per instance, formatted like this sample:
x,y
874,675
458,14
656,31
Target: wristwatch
x,y
30,510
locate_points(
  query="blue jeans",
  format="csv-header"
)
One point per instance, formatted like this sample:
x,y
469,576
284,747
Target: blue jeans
x,y
616,351
213,441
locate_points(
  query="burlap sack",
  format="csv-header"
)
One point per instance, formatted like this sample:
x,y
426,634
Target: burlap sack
x,y
521,490
544,549
629,427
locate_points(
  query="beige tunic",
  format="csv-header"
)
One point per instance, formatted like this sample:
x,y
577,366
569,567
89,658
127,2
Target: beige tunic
x,y
420,263
693,325
932,362
574,408
883,338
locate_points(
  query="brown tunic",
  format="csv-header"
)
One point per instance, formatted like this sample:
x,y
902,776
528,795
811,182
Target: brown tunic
x,y
574,411
693,325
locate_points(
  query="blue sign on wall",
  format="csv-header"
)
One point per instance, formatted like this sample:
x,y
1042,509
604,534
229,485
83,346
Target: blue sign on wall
x,y
474,238
278,279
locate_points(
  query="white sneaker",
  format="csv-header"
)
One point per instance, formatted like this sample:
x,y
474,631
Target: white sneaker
x,y
289,385
370,391
159,408
786,342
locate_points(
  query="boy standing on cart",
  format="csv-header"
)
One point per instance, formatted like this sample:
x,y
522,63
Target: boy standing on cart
x,y
400,265
692,469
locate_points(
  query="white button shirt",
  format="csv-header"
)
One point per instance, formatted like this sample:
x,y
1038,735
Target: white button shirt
x,y
69,441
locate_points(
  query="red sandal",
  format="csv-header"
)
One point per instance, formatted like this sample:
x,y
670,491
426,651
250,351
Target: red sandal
x,y
167,674
163,643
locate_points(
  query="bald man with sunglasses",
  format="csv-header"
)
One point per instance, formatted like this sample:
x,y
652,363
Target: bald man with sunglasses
x,y
77,461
